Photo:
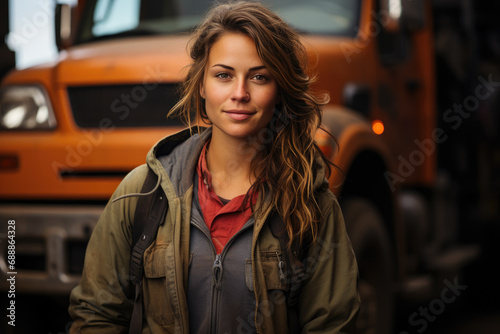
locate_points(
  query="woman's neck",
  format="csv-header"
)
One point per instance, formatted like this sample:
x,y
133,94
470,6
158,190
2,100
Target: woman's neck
x,y
228,160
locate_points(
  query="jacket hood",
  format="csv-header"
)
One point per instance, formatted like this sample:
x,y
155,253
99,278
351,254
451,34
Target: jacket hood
x,y
174,159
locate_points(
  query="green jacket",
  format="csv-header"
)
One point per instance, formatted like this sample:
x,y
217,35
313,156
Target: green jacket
x,y
103,301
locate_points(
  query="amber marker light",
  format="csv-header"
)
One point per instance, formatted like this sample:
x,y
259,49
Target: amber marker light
x,y
378,127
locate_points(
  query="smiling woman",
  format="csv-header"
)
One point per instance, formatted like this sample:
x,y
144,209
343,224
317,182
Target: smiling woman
x,y
253,241
239,91
240,95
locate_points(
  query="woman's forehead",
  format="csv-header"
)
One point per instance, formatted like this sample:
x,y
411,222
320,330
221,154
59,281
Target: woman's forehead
x,y
234,49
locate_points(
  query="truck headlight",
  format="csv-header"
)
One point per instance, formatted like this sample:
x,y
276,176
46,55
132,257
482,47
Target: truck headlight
x,y
25,108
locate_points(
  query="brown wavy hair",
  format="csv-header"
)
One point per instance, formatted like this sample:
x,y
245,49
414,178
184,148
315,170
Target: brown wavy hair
x,y
287,160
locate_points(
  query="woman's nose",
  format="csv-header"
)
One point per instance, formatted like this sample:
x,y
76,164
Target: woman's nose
x,y
240,92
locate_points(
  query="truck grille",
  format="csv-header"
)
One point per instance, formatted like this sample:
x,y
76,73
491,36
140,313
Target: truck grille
x,y
31,254
123,106
50,243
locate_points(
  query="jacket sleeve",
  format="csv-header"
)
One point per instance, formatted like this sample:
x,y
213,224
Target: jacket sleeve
x,y
103,300
329,301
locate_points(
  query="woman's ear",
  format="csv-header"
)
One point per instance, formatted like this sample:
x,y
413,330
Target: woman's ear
x,y
202,91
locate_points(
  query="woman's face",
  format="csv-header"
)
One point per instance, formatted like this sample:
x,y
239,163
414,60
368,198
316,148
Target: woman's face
x,y
240,93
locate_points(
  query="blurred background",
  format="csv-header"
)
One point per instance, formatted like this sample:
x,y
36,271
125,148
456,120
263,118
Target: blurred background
x,y
86,85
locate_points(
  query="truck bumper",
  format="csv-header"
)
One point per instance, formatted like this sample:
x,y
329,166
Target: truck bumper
x,y
50,242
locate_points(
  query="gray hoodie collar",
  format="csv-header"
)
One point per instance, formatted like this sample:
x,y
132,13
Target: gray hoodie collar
x,y
175,157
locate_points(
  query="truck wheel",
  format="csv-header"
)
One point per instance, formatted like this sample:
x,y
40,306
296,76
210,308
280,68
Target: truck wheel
x,y
373,253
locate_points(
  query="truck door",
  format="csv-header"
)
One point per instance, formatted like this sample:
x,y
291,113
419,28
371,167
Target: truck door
x,y
405,91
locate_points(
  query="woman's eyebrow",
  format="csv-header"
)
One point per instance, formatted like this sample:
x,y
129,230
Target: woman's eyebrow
x,y
256,68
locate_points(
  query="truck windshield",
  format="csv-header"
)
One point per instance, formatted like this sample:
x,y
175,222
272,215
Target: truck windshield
x,y
105,19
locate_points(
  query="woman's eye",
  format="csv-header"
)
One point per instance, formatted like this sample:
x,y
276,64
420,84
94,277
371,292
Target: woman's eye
x,y
260,77
222,75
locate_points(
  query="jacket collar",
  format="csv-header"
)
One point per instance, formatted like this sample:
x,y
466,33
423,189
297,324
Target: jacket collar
x,y
174,159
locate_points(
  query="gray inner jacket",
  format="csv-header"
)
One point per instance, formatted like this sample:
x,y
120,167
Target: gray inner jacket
x,y
220,289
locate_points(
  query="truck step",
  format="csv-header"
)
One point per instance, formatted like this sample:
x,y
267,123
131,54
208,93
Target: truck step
x,y
453,258
417,288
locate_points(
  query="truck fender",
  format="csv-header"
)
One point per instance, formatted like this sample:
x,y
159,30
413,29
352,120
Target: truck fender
x,y
363,156
354,134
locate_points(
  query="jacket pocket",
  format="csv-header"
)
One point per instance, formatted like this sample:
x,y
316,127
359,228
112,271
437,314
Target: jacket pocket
x,y
156,300
273,266
273,309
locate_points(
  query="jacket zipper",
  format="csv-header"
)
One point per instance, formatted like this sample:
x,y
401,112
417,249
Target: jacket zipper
x,y
216,285
217,270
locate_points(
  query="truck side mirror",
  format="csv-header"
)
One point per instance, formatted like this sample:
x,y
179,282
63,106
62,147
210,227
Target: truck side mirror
x,y
390,11
63,25
402,15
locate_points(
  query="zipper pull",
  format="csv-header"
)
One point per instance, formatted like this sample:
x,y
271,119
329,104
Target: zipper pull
x,y
280,267
217,271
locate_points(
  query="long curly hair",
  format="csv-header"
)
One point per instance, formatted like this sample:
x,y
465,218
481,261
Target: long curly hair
x,y
287,157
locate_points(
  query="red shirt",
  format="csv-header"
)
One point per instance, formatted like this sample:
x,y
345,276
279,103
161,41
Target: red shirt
x,y
224,218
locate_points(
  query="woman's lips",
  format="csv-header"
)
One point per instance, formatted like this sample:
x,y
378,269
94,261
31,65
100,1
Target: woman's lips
x,y
239,115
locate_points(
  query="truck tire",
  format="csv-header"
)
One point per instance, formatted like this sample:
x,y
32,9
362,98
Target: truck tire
x,y
372,247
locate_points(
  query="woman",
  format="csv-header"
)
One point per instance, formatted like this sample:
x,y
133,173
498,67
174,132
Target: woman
x,y
218,263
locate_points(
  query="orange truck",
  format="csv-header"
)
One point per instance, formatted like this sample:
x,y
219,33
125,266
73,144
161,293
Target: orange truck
x,y
70,130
